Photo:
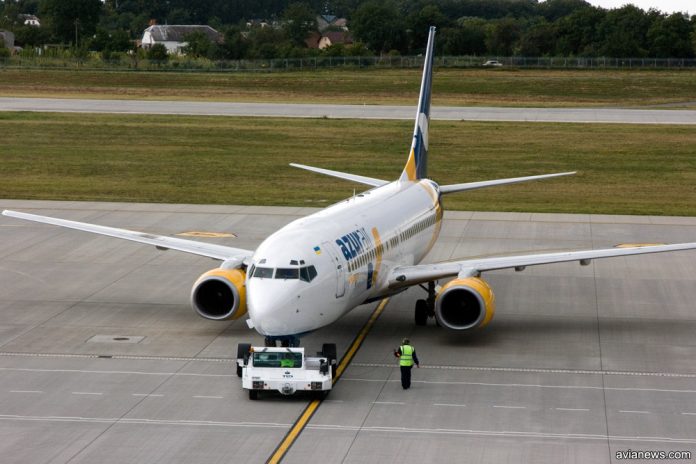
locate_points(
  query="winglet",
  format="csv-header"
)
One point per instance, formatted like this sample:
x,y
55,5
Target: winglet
x,y
417,164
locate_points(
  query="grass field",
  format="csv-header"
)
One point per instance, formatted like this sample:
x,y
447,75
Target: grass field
x,y
623,169
502,87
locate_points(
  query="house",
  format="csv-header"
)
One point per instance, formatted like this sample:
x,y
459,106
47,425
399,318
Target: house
x,y
172,36
312,40
335,38
6,39
330,22
29,20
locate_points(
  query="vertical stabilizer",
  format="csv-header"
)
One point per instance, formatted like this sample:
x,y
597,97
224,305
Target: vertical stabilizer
x,y
417,164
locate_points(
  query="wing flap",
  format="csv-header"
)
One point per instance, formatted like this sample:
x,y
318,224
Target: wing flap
x,y
411,275
161,242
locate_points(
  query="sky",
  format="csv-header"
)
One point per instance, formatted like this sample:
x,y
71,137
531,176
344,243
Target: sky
x,y
667,6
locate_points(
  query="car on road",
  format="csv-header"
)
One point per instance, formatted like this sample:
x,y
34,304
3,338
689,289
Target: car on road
x,y
492,64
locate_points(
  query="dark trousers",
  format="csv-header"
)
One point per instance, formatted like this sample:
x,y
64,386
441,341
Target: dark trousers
x,y
406,376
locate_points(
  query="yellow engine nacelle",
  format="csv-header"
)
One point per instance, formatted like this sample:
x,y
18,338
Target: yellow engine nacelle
x,y
465,304
220,294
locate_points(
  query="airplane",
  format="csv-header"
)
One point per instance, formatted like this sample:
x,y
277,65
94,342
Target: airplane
x,y
316,269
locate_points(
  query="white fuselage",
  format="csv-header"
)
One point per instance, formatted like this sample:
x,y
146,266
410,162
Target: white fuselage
x,y
352,245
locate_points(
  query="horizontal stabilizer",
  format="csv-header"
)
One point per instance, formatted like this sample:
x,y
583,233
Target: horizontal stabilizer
x,y
343,175
493,183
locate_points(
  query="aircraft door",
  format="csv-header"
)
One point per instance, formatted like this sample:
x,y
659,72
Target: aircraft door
x,y
340,271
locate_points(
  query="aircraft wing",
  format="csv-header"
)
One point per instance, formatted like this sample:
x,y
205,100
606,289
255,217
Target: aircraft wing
x,y
209,250
403,276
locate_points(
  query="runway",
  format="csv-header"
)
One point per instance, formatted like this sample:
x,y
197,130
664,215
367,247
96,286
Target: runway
x,y
290,110
103,360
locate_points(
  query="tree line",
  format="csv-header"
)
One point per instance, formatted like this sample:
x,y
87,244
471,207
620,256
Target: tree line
x,y
465,27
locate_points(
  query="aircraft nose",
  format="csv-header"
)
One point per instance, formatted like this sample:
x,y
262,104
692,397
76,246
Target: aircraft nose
x,y
268,308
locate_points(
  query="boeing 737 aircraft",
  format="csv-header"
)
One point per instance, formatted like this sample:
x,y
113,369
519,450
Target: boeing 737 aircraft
x,y
316,269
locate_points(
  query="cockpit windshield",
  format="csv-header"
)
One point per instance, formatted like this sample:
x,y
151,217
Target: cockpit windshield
x,y
263,272
308,273
304,273
287,273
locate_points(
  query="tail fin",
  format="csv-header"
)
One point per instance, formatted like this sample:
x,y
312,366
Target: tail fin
x,y
417,164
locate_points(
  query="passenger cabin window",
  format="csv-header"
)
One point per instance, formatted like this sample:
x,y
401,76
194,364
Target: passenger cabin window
x,y
287,273
264,272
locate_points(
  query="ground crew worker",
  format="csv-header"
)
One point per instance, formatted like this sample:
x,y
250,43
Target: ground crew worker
x,y
407,357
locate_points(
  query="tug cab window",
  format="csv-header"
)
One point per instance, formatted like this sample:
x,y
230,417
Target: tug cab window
x,y
285,360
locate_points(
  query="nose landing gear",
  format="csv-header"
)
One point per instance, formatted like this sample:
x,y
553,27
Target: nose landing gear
x,y
287,341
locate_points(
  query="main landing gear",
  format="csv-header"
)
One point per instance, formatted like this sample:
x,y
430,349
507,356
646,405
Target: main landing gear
x,y
425,309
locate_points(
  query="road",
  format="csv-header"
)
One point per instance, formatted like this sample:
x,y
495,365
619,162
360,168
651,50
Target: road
x,y
287,110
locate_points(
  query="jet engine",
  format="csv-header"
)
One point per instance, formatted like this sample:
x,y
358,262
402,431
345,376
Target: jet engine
x,y
465,304
220,294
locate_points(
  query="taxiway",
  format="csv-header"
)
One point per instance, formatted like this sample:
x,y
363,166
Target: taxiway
x,y
103,360
293,110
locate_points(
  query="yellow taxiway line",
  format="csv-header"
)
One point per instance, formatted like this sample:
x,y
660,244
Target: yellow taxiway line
x,y
301,422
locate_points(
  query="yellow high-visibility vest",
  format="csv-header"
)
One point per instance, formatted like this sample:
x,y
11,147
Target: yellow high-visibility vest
x,y
406,355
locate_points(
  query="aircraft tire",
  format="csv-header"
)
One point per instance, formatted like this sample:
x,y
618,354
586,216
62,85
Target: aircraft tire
x,y
421,312
243,350
329,350
253,395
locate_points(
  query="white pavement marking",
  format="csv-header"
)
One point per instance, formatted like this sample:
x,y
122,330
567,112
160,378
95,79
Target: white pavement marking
x,y
635,412
447,404
146,394
505,433
87,393
116,356
387,402
509,407
110,420
527,385
209,397
25,391
689,413
538,370
83,371
571,409
490,433
353,379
